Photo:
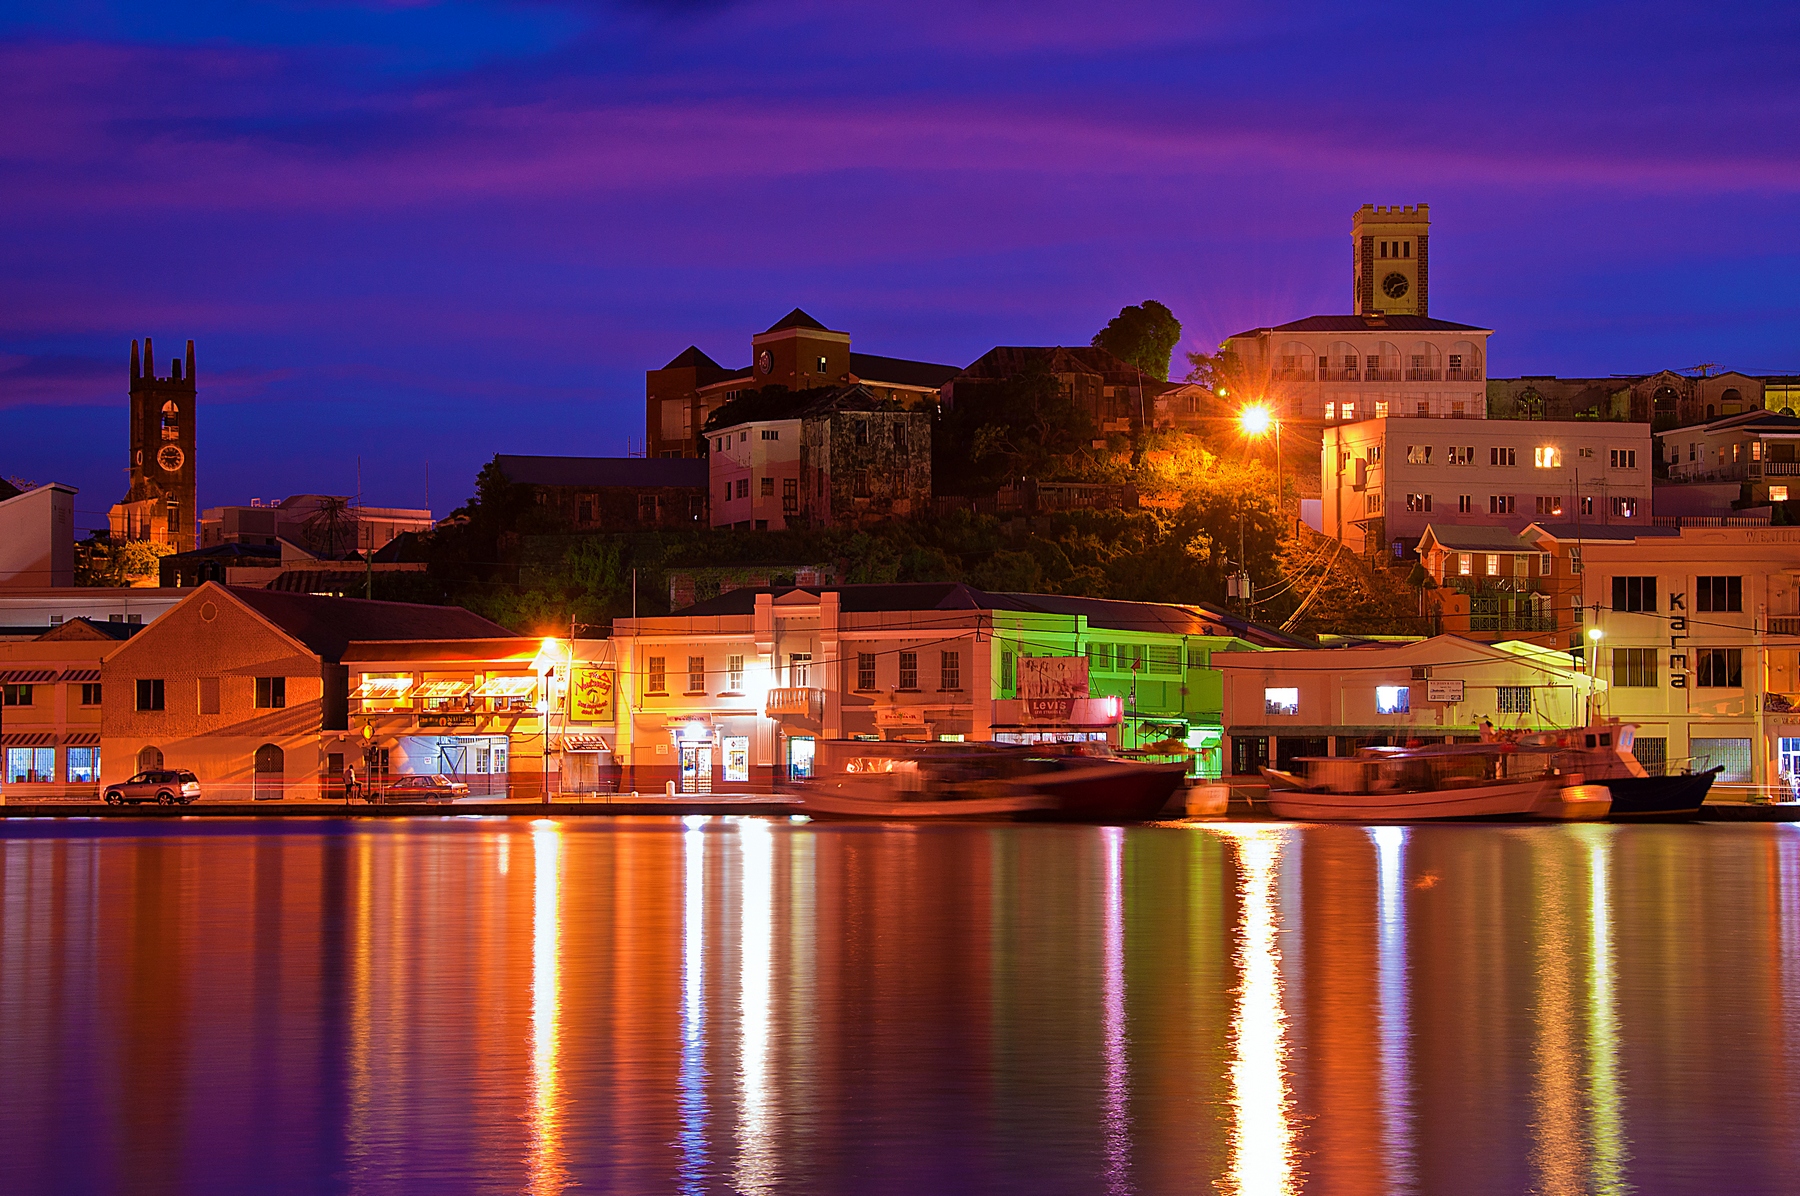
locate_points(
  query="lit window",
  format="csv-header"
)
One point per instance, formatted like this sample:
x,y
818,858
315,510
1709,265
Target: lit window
x,y
1778,494
734,673
1465,564
1493,564
1547,458
1281,701
1625,508
1331,411
1393,699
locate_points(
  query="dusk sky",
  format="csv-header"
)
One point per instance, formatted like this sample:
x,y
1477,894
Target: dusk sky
x,y
418,232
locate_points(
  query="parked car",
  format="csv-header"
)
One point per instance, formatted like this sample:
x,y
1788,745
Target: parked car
x,y
426,787
165,786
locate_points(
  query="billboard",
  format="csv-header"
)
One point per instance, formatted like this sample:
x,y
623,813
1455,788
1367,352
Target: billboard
x,y
1051,685
591,691
1449,692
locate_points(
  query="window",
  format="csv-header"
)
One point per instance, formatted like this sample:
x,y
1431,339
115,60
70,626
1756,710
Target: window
x,y
209,695
1465,564
767,487
1731,754
859,484
790,494
865,670
1587,506
1625,508
1549,504
1347,409
90,693
1393,699
1460,456
659,677
771,433
696,674
900,437
1281,701
1423,410
1501,504
1331,410
1634,667
1778,493
1493,564
1371,502
587,510
149,694
743,437
1546,564
743,487
734,674
799,669
1624,458
271,693
30,765
83,764
1692,447
1756,450
821,368
909,670
1465,504
1374,454
1418,454
1514,699
1719,668
17,695
862,431
1718,594
1634,593
1007,667
1503,456
1547,458
1418,503
950,670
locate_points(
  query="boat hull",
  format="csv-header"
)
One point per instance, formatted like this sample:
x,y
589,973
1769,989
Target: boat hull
x,y
837,803
1520,799
1673,797
1109,791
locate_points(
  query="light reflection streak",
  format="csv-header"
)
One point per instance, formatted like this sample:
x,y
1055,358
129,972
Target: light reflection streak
x,y
693,1009
1557,1155
1263,1150
756,1148
1118,1141
1608,1171
1787,928
1396,1071
546,1168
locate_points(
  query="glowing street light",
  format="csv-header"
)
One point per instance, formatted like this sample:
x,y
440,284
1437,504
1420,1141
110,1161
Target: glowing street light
x,y
1255,419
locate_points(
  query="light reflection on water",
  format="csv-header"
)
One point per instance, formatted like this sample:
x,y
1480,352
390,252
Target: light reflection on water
x,y
740,1005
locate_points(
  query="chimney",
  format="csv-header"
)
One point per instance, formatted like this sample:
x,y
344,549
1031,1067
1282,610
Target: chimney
x,y
134,359
190,363
149,361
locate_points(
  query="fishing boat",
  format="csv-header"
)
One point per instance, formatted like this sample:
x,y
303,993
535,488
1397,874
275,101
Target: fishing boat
x,y
1062,783
1604,753
1464,780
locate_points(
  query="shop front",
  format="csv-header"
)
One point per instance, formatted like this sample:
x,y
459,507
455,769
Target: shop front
x,y
1058,720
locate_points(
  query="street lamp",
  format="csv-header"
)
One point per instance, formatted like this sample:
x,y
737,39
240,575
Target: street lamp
x,y
1256,420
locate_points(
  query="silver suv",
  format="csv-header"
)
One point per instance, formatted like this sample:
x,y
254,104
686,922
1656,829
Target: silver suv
x,y
164,786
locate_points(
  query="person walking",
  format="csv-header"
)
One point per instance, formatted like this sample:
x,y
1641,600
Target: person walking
x,y
351,789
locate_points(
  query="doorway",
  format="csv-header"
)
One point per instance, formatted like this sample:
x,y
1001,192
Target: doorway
x,y
800,757
696,768
271,765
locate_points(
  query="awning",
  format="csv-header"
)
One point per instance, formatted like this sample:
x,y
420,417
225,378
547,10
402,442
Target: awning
x,y
28,739
383,687
81,675
27,676
443,689
82,739
507,687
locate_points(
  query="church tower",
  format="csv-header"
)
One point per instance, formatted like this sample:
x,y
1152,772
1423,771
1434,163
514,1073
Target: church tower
x,y
160,506
1391,258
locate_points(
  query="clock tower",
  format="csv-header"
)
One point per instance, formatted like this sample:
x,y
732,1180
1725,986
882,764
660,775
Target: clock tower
x,y
160,506
1392,264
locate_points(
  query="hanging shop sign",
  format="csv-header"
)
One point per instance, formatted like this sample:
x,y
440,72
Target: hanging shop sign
x,y
592,691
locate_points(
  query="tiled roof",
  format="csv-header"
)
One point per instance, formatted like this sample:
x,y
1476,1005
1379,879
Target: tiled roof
x,y
796,319
901,372
1477,538
1396,323
604,471
328,625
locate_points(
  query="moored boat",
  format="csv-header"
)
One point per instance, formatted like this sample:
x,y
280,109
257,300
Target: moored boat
x,y
1474,780
1604,753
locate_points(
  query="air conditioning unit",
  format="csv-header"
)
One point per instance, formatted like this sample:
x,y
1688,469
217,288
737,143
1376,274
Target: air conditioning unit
x,y
1421,672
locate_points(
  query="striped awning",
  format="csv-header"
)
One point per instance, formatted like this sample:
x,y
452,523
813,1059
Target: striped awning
x,y
443,689
28,739
81,675
82,739
27,676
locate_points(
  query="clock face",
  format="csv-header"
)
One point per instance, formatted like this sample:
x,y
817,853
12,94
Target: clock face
x,y
765,361
170,458
1394,285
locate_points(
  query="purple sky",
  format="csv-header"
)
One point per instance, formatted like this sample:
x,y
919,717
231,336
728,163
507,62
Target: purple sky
x,y
423,232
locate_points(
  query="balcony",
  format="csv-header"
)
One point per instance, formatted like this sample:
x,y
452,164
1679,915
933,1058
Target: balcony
x,y
1513,621
1784,625
1381,375
1462,375
796,702
1328,375
1422,375
1492,587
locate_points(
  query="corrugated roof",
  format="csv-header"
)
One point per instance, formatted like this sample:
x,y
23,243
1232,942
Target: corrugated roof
x,y
328,625
599,472
1395,323
898,370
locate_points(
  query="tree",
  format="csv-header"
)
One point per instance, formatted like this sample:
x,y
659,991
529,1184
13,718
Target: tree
x,y
1028,425
1144,336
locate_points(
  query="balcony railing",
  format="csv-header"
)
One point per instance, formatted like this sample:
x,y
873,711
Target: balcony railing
x,y
1381,375
1784,625
1422,375
1462,375
1712,521
1330,375
1516,621
807,703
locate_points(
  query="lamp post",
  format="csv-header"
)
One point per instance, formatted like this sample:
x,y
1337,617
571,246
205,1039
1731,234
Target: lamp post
x,y
1595,635
1257,420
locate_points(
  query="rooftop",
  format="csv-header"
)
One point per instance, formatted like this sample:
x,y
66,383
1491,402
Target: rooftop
x,y
604,471
1368,323
870,368
1460,538
796,319
328,626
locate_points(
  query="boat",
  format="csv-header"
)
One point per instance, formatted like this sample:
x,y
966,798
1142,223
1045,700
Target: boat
x,y
1463,780
1049,783
1604,753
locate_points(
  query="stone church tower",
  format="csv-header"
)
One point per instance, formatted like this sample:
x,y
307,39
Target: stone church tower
x,y
160,506
1392,260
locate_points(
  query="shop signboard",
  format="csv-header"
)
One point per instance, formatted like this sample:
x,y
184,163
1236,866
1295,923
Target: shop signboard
x,y
1051,685
591,694
1449,692
899,716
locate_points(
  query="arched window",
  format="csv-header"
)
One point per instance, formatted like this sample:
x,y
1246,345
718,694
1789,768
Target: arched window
x,y
1464,364
150,758
1295,360
1665,400
1383,365
1423,361
1340,364
170,416
271,763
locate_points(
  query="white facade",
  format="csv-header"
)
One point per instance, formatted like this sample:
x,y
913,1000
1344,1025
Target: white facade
x,y
1386,480
47,606
37,538
1346,368
753,474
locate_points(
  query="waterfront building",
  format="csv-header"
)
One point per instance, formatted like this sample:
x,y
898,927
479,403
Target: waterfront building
x,y
825,458
735,691
248,688
50,691
37,536
795,353
1279,706
1696,632
610,494
160,506
1384,481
